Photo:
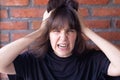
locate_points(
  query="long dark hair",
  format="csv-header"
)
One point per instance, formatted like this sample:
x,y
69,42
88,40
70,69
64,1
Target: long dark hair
x,y
61,14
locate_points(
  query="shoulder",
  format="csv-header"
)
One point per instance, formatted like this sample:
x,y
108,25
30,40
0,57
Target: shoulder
x,y
94,55
25,63
25,60
25,56
93,52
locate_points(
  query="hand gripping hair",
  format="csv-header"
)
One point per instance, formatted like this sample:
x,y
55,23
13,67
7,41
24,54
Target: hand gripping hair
x,y
60,14
54,4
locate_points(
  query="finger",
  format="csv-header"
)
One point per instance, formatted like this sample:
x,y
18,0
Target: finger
x,y
46,15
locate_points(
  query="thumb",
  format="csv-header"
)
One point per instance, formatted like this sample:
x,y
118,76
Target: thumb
x,y
46,15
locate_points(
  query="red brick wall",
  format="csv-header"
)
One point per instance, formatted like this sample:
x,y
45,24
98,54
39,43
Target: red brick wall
x,y
19,17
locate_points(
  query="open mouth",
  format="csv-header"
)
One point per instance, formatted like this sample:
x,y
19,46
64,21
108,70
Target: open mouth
x,y
62,46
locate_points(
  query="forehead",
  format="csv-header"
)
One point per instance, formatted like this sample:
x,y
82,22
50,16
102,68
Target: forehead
x,y
62,23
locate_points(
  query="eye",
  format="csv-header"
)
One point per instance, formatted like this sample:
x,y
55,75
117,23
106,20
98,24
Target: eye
x,y
71,30
55,30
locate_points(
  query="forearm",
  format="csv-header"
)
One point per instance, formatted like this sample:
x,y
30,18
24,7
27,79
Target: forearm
x,y
9,52
110,50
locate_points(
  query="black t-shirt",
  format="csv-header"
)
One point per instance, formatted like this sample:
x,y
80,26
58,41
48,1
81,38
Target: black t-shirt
x,y
91,66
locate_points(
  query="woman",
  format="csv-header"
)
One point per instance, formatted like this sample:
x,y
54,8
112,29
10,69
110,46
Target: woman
x,y
61,51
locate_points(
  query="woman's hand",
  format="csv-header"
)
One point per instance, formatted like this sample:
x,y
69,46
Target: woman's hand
x,y
46,15
83,26
10,51
110,50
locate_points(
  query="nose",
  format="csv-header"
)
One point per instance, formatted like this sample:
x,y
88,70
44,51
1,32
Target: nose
x,y
63,36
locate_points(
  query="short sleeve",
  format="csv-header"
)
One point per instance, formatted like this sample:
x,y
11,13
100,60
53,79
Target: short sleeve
x,y
100,62
23,63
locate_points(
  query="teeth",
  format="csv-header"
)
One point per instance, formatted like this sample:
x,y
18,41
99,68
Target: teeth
x,y
62,45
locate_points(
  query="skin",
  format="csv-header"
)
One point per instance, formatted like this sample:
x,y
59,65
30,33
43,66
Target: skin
x,y
62,41
110,50
7,55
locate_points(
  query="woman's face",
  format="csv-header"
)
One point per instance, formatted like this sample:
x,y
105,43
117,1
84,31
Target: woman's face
x,y
62,41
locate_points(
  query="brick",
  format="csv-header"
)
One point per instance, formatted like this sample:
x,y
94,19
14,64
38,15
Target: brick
x,y
18,35
118,45
27,13
3,14
4,38
118,23
40,2
14,2
36,24
116,1
94,46
106,12
110,35
91,2
98,23
84,11
13,25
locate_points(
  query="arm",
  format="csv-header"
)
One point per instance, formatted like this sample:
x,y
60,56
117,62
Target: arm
x,y
110,50
9,52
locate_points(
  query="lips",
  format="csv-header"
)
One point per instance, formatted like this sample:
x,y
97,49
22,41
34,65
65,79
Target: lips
x,y
62,46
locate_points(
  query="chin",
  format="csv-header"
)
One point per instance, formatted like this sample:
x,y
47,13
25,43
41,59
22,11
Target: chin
x,y
62,54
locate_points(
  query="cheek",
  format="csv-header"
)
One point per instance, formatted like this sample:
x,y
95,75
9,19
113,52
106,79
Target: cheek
x,y
73,39
53,40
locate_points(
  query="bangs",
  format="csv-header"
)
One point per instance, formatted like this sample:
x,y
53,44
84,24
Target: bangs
x,y
62,23
64,18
